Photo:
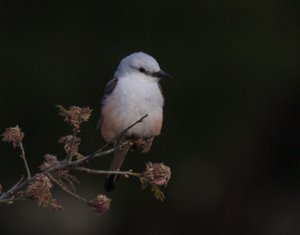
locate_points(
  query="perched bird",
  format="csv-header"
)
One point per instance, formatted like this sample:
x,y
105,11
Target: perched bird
x,y
133,92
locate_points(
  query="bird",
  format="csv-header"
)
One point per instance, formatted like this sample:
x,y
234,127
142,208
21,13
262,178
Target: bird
x,y
133,92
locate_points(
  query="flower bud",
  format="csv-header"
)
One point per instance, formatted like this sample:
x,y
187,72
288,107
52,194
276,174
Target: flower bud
x,y
156,174
13,135
100,204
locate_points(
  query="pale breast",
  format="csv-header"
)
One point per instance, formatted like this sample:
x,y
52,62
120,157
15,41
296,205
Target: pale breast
x,y
128,103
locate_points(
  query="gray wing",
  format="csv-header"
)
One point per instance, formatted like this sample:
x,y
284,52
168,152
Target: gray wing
x,y
109,88
160,88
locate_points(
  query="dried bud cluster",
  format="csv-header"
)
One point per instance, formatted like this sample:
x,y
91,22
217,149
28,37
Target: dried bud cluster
x,y
155,174
100,204
39,186
63,176
50,161
71,144
40,190
13,135
75,115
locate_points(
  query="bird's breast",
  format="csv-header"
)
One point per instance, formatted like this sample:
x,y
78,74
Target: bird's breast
x,y
128,103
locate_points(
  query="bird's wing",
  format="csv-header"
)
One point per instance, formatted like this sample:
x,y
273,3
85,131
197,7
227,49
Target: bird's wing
x,y
160,88
110,86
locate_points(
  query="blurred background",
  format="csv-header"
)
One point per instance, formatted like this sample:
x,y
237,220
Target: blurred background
x,y
232,114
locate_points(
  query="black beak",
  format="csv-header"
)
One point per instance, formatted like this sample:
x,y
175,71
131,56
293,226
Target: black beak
x,y
161,74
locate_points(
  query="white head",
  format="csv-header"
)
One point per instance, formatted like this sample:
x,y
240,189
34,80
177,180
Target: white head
x,y
140,63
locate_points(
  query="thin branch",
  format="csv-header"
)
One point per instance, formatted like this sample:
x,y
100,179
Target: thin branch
x,y
62,166
66,190
105,150
132,125
119,136
101,172
11,191
23,156
71,154
11,200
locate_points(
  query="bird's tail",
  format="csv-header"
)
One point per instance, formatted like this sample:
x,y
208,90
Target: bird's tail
x,y
118,159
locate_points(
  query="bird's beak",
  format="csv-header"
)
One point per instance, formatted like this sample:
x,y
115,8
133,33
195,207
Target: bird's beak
x,y
161,74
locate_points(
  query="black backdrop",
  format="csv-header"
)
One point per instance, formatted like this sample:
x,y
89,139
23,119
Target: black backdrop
x,y
232,115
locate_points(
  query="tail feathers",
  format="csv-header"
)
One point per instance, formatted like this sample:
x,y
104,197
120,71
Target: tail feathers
x,y
118,159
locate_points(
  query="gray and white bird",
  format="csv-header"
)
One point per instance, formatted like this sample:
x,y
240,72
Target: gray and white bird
x,y
133,92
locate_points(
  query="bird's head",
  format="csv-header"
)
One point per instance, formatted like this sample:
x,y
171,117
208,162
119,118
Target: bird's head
x,y
140,64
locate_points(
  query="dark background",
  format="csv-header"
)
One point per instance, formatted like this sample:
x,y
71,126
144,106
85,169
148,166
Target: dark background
x,y
232,114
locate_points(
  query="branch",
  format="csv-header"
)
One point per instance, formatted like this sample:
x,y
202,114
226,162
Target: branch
x,y
11,200
65,165
66,190
132,125
101,172
124,131
23,156
10,191
52,171
62,166
14,136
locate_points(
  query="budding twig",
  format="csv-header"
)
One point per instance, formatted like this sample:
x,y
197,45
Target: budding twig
x,y
23,156
12,199
66,190
105,150
38,187
132,125
10,192
101,172
14,136
124,131
61,166
71,154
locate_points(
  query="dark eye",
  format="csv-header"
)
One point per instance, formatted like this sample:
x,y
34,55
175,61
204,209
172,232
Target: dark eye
x,y
142,70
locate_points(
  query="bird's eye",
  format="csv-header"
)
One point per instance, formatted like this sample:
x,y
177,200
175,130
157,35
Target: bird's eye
x,y
142,70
